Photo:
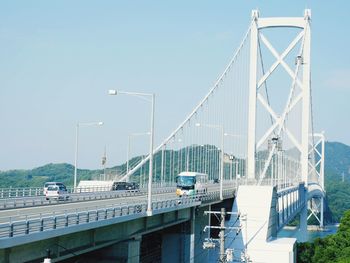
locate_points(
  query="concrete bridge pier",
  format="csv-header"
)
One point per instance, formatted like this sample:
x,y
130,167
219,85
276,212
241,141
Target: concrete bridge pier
x,y
173,247
257,238
179,246
303,224
5,255
127,251
303,219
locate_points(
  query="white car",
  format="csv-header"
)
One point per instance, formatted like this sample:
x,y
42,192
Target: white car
x,y
47,184
58,192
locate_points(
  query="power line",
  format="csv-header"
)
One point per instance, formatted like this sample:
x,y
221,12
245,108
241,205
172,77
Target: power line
x,y
228,255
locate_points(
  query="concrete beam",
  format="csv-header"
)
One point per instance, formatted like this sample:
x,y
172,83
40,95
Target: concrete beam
x,y
76,243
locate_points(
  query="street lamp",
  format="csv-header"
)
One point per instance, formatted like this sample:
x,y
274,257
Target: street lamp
x,y
234,157
77,145
128,151
221,129
146,97
231,157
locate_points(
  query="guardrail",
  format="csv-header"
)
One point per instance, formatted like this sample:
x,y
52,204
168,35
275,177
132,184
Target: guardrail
x,y
40,200
289,203
20,192
280,184
57,221
76,197
6,193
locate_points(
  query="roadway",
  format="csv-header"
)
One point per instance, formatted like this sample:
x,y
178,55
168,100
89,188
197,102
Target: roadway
x,y
37,200
25,213
78,205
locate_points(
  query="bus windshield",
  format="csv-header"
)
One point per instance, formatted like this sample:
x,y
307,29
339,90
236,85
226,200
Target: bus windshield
x,y
186,180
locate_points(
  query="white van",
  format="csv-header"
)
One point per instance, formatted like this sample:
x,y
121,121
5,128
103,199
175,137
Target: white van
x,y
56,191
47,184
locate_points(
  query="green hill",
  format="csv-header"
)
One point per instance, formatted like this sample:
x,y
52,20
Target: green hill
x,y
36,177
337,158
337,163
63,172
333,248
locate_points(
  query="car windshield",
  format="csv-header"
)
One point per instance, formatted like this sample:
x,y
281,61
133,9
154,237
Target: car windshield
x,y
186,180
52,188
53,183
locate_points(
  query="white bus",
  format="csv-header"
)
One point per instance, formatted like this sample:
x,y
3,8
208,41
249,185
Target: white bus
x,y
191,183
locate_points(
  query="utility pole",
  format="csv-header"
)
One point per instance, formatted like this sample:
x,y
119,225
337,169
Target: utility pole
x,y
210,242
48,256
104,160
222,235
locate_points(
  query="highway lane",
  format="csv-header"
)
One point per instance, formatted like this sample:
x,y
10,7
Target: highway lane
x,y
14,203
37,192
61,208
64,208
73,197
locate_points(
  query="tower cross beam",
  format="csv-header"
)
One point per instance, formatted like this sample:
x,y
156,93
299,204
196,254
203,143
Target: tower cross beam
x,y
278,122
280,58
281,61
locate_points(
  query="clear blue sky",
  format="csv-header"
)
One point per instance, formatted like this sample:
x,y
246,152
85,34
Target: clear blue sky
x,y
59,58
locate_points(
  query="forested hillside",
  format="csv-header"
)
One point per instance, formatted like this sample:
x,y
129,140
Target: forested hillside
x,y
64,172
38,176
337,164
333,248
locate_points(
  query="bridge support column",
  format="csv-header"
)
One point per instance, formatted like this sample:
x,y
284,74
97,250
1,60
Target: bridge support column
x,y
134,250
259,228
172,247
252,96
321,213
303,224
5,255
192,235
127,250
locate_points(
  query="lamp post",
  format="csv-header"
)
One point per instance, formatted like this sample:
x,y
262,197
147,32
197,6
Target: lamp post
x,y
128,150
231,157
221,129
146,97
234,157
77,146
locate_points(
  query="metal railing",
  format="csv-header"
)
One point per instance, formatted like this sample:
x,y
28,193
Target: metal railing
x,y
279,184
76,197
20,192
6,193
54,221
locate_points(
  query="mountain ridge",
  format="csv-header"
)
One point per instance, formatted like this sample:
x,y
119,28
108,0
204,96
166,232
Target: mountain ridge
x,y
337,176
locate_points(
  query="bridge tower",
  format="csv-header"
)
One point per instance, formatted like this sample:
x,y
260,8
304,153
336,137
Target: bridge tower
x,y
299,92
316,174
278,137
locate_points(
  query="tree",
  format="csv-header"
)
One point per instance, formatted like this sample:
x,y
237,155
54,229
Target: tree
x,y
333,248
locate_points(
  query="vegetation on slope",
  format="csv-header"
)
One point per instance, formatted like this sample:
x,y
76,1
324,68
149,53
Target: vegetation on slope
x,y
333,248
337,162
38,176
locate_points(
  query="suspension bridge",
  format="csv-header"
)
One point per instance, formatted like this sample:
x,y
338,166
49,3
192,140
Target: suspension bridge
x,y
252,135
